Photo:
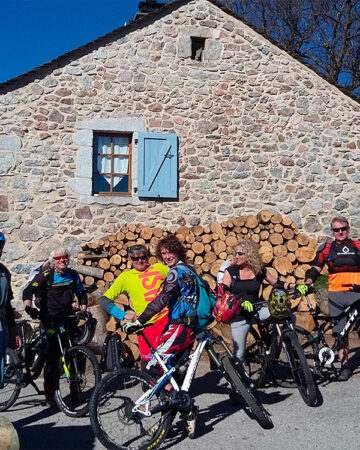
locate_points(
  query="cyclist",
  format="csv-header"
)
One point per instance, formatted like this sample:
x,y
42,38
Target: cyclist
x,y
54,289
180,333
6,311
142,284
244,279
342,257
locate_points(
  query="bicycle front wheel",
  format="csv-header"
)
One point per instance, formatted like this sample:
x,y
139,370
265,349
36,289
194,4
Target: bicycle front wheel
x,y
12,376
79,374
247,394
115,423
256,359
299,367
310,346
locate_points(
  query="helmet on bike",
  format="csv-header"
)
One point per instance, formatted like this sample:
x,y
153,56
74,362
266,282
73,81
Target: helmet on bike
x,y
279,304
85,328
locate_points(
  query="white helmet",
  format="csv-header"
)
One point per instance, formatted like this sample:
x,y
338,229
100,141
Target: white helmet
x,y
222,269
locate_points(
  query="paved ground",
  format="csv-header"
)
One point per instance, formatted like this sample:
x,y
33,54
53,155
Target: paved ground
x,y
332,424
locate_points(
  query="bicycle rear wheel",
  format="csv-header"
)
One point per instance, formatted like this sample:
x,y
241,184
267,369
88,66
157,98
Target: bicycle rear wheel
x,y
112,419
78,378
299,367
247,394
12,376
256,359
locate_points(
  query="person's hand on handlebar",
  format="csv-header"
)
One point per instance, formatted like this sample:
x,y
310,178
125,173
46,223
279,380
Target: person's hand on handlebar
x,y
247,306
32,312
303,289
128,325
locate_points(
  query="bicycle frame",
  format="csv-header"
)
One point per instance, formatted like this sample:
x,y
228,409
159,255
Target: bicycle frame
x,y
142,404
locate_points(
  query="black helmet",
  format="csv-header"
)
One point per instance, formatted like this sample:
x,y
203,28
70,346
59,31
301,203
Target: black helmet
x,y
86,325
279,304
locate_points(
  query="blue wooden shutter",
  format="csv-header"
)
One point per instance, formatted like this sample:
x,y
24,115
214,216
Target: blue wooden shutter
x,y
157,165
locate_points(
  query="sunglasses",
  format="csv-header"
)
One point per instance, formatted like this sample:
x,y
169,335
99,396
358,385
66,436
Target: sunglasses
x,y
137,258
239,253
59,258
340,229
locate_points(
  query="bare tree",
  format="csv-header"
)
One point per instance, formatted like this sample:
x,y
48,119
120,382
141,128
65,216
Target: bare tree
x,y
325,33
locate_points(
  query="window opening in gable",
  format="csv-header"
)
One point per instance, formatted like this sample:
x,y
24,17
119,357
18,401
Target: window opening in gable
x,y
197,48
112,164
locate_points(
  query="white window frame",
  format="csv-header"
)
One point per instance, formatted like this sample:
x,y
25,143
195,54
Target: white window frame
x,y
84,139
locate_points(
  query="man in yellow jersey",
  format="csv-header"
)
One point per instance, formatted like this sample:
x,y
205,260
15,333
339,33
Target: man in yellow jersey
x,y
342,257
142,284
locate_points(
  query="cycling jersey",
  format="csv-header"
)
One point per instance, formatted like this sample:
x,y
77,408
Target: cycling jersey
x,y
141,287
343,262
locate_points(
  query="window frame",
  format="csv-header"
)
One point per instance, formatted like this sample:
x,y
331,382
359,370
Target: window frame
x,y
111,154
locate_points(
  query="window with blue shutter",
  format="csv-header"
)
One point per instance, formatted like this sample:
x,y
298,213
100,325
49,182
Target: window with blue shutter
x,y
158,165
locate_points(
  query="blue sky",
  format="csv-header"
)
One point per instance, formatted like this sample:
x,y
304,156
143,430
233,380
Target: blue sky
x,y
33,32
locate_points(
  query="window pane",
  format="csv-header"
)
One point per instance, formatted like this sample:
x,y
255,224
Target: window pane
x,y
121,184
121,164
102,144
121,145
101,183
103,164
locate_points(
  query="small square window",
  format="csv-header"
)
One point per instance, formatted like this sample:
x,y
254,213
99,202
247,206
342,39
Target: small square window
x,y
112,164
197,48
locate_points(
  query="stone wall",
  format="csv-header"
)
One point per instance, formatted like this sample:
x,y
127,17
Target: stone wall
x,y
257,129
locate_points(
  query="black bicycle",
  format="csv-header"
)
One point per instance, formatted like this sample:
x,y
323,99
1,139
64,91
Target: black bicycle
x,y
129,409
79,370
317,350
273,349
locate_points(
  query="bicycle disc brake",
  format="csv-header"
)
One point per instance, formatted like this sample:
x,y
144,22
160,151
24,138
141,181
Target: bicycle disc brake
x,y
326,355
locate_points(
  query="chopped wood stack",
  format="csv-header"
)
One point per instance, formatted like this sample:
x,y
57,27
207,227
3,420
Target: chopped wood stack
x,y
285,251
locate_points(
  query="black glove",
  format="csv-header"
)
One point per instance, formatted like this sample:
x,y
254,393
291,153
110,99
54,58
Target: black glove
x,y
32,312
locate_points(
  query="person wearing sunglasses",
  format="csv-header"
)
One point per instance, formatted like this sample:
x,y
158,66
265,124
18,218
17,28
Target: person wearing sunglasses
x,y
244,279
342,257
142,284
54,289
7,320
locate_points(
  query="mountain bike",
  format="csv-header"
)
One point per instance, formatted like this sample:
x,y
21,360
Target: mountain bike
x,y
130,409
275,343
79,370
315,345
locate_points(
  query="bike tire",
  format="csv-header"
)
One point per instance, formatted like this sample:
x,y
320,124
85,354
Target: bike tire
x,y
112,420
74,391
311,348
247,394
299,367
256,359
12,380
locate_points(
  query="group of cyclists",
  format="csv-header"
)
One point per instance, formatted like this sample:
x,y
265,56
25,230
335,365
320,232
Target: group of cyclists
x,y
156,291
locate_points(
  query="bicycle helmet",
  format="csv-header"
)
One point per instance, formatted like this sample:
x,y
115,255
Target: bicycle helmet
x,y
279,304
85,328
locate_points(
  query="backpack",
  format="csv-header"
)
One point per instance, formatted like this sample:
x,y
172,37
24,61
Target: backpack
x,y
113,354
195,309
38,268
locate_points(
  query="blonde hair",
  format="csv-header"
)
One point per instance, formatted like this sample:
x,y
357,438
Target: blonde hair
x,y
252,255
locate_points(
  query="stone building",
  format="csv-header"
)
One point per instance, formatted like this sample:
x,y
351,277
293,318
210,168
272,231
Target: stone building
x,y
185,116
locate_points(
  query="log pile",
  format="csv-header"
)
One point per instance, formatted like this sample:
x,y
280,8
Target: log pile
x,y
285,251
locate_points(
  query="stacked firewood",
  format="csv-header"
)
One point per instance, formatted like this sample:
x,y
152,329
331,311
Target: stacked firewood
x,y
285,251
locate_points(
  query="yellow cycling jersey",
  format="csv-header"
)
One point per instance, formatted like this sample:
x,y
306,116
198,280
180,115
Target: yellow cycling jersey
x,y
141,287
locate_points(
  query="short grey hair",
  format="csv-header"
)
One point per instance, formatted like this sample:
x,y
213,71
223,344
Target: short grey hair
x,y
340,219
59,250
136,249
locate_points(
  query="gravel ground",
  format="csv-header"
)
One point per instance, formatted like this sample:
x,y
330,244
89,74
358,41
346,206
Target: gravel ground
x,y
331,424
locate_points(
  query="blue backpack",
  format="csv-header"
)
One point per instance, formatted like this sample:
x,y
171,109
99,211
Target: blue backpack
x,y
195,305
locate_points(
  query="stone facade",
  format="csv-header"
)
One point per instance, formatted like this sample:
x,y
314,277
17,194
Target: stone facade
x,y
257,130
